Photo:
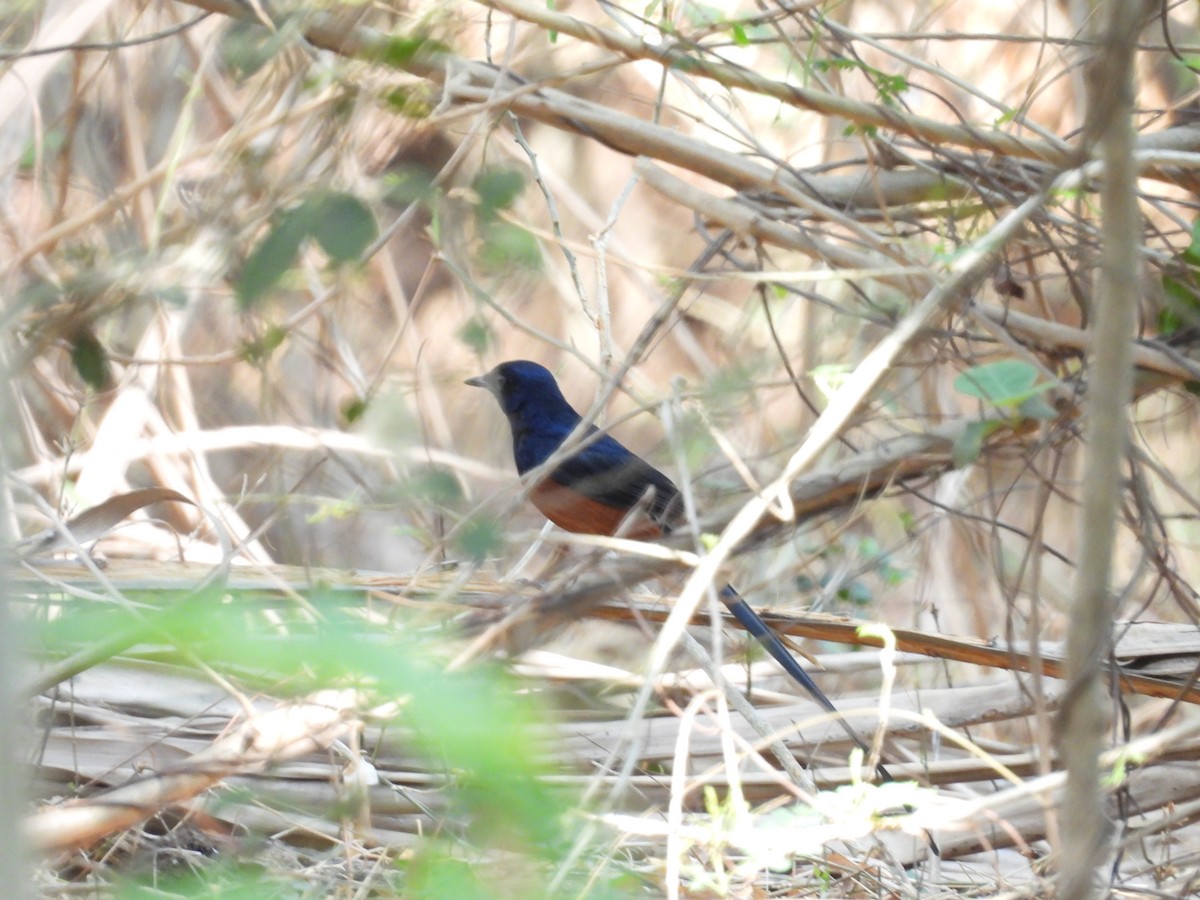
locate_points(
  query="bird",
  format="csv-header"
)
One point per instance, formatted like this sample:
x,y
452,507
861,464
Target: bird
x,y
596,488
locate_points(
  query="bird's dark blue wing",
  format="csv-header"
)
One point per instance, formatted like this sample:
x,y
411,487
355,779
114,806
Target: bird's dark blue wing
x,y
609,473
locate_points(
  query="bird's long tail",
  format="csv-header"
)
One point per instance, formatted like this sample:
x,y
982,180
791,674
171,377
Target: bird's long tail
x,y
751,621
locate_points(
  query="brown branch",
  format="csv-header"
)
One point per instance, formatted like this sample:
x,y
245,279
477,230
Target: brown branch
x,y
686,59
286,732
1050,660
481,86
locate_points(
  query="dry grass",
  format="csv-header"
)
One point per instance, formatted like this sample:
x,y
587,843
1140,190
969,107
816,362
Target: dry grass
x,y
765,243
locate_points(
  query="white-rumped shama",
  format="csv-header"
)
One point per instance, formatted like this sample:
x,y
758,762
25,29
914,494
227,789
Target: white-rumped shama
x,y
593,490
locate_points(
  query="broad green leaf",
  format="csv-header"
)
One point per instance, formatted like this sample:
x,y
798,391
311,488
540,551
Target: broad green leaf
x,y
90,359
497,189
409,184
480,537
1192,253
434,872
1182,304
476,334
433,484
1181,290
271,259
1006,382
507,246
1168,321
342,225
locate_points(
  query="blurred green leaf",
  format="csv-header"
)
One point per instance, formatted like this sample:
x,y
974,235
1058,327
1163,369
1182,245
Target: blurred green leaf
x,y
399,50
1192,254
409,184
335,509
435,875
271,259
354,409
1181,290
49,142
90,359
497,189
857,593
481,537
169,295
1169,320
341,224
1037,408
1181,295
474,724
1006,382
701,15
259,351
434,484
507,247
246,46
477,334
969,443
411,102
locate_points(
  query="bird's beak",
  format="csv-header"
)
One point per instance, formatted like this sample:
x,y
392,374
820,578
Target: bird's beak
x,y
487,382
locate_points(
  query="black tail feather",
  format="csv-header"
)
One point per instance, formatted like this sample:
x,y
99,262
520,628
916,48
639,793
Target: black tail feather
x,y
751,621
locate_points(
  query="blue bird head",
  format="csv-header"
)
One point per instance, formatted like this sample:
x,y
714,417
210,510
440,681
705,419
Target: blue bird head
x,y
523,388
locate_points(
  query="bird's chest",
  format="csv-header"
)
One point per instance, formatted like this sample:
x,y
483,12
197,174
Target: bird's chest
x,y
572,510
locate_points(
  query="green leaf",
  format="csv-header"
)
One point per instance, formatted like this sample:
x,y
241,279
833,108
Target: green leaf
x,y
435,485
434,872
481,537
247,46
969,444
271,259
507,246
342,225
260,350
1168,322
474,725
497,189
1192,253
398,51
410,103
1182,291
1182,301
738,32
1005,382
90,359
409,184
1036,407
1004,118
354,409
476,334
856,592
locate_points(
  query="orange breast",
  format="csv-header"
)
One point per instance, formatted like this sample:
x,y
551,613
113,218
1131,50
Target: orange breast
x,y
572,511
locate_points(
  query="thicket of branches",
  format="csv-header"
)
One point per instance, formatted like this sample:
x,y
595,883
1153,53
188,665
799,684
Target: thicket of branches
x,y
835,267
